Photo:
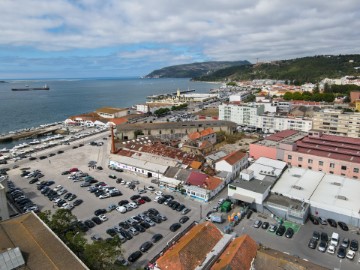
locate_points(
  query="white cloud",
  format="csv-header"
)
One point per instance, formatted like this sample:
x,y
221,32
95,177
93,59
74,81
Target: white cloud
x,y
219,30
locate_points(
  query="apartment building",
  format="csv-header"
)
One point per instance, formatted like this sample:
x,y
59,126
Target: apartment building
x,y
336,122
241,114
239,96
273,123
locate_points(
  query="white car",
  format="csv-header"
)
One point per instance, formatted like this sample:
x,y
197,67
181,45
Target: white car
x,y
350,255
104,196
121,209
103,217
159,193
331,249
123,182
133,205
58,187
68,206
151,188
157,198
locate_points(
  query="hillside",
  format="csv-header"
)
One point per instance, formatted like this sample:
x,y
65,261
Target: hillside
x,y
194,69
300,70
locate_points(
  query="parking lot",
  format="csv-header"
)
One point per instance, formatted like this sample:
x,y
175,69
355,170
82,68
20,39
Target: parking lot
x,y
78,158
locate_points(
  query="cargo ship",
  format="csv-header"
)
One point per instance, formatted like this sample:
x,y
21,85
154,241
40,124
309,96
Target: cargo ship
x,y
27,88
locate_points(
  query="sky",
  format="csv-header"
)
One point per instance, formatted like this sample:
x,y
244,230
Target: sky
x,y
126,38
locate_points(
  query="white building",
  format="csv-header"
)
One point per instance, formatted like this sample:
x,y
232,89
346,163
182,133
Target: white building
x,y
242,114
233,163
108,112
283,106
273,123
255,182
239,96
143,108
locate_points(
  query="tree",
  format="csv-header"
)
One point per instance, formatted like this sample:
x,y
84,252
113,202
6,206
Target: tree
x,y
316,89
61,221
102,254
288,96
297,96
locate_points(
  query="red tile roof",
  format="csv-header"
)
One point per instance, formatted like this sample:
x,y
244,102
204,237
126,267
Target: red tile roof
x,y
204,181
118,121
234,157
238,254
281,135
197,135
191,249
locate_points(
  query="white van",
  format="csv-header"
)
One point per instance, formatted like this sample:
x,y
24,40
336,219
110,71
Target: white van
x,y
334,239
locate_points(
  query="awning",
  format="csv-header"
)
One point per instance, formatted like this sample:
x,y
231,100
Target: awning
x,y
243,198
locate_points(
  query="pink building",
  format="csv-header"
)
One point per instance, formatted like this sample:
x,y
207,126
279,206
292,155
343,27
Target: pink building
x,y
316,151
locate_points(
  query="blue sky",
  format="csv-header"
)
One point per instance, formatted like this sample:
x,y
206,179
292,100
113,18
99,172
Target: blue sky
x,y
122,38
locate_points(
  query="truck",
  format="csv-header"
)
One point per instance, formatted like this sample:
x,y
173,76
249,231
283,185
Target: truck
x,y
217,217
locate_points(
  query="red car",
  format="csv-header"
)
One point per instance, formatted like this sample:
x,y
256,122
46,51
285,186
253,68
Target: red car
x,y
73,170
141,201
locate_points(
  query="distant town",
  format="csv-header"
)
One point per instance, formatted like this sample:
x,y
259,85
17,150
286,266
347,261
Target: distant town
x,y
260,174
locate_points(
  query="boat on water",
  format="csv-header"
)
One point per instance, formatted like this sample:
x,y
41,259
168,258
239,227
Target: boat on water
x,y
27,88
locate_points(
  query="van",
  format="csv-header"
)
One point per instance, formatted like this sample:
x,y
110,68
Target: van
x,y
334,239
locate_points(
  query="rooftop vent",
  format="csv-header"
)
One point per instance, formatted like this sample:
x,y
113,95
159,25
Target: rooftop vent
x,y
297,187
340,197
336,184
296,175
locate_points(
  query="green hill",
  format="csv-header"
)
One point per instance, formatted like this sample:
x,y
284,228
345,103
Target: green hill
x,y
194,69
300,70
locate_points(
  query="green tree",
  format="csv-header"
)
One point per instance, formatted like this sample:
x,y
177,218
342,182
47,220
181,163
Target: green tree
x,y
297,96
316,89
61,221
288,96
102,254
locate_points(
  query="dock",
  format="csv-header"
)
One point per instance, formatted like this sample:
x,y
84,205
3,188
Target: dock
x,y
25,134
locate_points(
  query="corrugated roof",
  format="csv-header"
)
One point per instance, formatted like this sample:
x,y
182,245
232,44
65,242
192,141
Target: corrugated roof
x,y
281,135
191,249
238,255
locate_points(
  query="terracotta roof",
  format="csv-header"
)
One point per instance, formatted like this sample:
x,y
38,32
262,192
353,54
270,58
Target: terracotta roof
x,y
206,132
191,249
42,248
204,181
234,157
238,254
194,136
197,135
195,164
110,110
281,135
118,121
205,144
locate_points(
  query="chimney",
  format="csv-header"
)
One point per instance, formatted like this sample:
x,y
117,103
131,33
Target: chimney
x,y
113,150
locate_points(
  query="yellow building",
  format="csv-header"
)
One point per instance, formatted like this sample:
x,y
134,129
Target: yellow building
x,y
357,105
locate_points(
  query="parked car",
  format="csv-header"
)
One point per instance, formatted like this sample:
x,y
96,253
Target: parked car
x,y
331,249
314,220
134,256
289,233
146,246
354,245
257,223
332,222
322,221
265,225
156,238
343,226
281,230
78,202
341,252
183,219
312,243
174,227
350,255
322,246
103,217
100,212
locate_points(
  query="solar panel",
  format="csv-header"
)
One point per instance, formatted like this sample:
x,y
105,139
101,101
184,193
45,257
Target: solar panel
x,y
11,259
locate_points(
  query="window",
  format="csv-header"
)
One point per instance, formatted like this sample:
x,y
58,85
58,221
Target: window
x,y
310,161
289,157
343,174
321,163
331,172
300,165
300,159
343,167
332,165
355,177
309,167
356,170
232,187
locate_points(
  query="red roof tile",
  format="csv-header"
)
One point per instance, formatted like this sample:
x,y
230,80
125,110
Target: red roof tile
x,y
234,157
191,249
238,254
281,135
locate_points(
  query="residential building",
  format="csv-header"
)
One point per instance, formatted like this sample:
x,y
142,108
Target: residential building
x,y
270,123
211,159
207,134
143,108
233,163
241,114
202,186
314,150
337,123
282,105
32,245
108,112
239,96
354,95
357,105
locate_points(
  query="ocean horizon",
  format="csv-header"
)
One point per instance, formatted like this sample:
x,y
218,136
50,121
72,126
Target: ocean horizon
x,y
72,96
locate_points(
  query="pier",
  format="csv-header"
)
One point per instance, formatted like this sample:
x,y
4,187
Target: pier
x,y
29,133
